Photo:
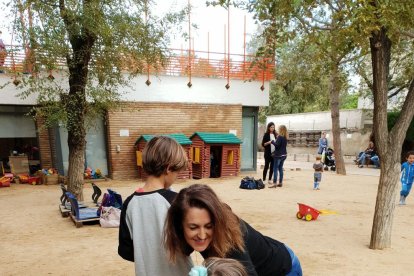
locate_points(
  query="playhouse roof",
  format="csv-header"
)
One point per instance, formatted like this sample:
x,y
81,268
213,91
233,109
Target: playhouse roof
x,y
217,138
179,137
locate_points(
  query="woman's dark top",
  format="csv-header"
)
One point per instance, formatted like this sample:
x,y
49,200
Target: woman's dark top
x,y
263,256
267,148
280,146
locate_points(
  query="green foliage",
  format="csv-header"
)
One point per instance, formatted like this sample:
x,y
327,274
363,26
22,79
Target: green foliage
x,y
98,45
349,101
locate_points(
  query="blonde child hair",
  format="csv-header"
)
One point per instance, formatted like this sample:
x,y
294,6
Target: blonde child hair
x,y
215,266
224,267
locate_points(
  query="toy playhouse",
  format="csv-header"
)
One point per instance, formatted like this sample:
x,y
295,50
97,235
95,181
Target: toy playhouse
x,y
180,138
215,154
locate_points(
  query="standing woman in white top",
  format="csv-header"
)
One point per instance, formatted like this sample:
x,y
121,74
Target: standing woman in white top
x,y
269,148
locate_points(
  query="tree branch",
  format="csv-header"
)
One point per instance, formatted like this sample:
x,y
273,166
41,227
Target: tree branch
x,y
352,58
365,77
308,25
406,33
329,3
397,91
69,21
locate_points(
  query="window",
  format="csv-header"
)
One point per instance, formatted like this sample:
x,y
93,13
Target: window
x,y
230,157
139,158
196,156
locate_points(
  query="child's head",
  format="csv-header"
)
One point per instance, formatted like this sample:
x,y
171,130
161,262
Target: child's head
x,y
224,267
410,157
219,267
318,158
163,153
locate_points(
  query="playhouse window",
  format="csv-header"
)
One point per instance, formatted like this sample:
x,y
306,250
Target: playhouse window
x,y
230,157
139,158
196,156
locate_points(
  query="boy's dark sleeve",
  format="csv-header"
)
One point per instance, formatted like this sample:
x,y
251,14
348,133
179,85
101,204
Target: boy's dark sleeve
x,y
126,245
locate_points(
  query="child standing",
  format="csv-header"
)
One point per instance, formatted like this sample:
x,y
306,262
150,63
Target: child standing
x,y
317,175
144,212
407,176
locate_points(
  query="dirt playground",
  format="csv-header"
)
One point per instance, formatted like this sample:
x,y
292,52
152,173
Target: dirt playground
x,y
37,240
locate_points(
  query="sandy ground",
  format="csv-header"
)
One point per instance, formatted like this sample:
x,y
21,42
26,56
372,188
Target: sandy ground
x,y
36,240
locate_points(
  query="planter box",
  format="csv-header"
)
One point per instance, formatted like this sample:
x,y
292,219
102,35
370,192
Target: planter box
x,y
34,180
51,179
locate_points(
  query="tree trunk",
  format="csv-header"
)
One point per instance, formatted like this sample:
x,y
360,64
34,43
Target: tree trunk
x,y
76,106
385,204
76,165
389,143
384,208
336,130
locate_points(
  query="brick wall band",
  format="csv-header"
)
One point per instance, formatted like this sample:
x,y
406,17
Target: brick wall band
x,y
162,118
45,142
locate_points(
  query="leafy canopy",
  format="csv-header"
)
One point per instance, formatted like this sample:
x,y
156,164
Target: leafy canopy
x,y
115,40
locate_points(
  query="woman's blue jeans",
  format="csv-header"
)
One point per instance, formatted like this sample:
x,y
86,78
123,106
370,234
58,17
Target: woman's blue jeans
x,y
278,168
296,267
375,160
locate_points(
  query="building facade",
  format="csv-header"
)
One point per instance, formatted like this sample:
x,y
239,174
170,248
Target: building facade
x,y
167,105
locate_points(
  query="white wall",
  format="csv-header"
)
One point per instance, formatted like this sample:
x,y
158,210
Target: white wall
x,y
168,89
350,119
8,94
355,128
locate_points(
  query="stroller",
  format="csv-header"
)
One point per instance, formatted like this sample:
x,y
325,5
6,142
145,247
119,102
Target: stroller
x,y
328,159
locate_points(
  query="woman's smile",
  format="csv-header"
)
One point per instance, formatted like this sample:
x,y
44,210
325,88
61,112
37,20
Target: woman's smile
x,y
198,228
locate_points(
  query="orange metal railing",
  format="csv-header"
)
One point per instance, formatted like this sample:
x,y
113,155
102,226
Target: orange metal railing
x,y
179,63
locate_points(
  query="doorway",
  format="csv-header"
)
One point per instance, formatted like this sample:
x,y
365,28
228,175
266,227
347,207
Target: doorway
x,y
215,161
249,146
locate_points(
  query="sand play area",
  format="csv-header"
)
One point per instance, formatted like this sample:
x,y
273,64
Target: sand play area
x,y
37,240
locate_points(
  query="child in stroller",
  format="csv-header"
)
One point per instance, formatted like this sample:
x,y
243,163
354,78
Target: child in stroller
x,y
328,159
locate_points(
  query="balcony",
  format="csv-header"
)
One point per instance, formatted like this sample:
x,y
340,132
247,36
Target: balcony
x,y
179,63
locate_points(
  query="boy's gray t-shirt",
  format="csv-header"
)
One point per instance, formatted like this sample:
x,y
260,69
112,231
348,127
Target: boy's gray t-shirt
x,y
141,234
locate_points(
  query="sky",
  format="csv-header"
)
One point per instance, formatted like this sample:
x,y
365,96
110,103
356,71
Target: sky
x,y
209,20
213,21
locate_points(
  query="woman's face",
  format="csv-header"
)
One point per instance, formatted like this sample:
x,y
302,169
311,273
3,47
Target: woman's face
x,y
272,128
198,228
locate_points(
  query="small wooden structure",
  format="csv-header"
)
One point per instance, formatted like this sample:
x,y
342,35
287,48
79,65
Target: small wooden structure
x,y
180,138
215,154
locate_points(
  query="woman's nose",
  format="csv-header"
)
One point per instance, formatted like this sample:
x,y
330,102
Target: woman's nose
x,y
202,234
